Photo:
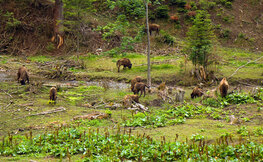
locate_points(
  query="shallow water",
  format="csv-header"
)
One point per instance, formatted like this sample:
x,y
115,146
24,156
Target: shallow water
x,y
5,77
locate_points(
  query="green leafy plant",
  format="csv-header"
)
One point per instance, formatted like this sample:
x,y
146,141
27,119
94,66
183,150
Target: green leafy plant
x,y
243,131
197,137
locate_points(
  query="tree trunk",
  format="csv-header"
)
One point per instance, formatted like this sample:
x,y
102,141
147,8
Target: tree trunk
x,y
58,24
148,49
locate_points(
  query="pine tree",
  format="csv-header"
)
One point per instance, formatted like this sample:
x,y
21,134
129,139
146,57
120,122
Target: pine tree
x,y
200,38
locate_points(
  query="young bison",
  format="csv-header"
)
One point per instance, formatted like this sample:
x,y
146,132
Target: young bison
x,y
22,75
128,99
125,62
223,87
197,92
139,86
53,94
134,81
153,27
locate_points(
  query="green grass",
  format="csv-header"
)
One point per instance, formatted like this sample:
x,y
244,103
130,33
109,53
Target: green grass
x,y
15,116
40,58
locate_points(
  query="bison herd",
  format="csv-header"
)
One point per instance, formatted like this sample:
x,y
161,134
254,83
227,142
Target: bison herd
x,y
137,85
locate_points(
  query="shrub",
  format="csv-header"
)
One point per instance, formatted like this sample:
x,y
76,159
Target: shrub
x,y
187,6
179,3
162,12
174,18
166,38
191,14
207,5
225,33
131,8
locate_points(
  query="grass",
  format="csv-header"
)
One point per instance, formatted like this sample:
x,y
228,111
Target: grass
x,y
15,117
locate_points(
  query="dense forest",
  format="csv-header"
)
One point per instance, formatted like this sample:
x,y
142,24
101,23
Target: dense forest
x,y
131,80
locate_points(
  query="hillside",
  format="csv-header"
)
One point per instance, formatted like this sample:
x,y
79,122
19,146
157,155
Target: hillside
x,y
27,26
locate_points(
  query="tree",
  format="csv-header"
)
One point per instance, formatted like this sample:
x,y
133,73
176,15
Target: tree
x,y
58,25
148,49
200,37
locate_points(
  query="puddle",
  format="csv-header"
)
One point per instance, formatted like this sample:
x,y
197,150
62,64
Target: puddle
x,y
5,77
109,84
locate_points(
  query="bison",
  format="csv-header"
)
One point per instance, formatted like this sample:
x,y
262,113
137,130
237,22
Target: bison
x,y
197,92
22,75
134,81
223,87
128,99
53,94
162,86
125,62
139,86
153,27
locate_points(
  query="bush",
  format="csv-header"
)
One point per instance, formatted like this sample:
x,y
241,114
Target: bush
x,y
179,3
131,8
166,38
225,33
162,12
206,5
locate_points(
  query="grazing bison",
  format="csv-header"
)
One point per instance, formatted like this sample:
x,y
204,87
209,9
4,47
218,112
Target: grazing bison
x,y
223,87
128,99
153,27
53,94
125,62
162,86
139,86
134,81
197,92
22,75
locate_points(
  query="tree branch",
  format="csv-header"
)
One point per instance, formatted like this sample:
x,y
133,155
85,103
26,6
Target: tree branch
x,y
244,66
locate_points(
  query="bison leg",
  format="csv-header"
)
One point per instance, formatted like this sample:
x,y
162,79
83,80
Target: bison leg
x,y
18,76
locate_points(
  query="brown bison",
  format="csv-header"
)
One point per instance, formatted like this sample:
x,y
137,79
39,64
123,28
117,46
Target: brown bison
x,y
139,86
53,94
22,75
153,27
134,81
162,86
125,62
197,92
128,99
223,87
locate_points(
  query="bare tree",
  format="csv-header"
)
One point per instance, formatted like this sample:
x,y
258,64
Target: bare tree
x,y
148,49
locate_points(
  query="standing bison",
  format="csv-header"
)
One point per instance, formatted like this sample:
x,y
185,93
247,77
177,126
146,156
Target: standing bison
x,y
139,86
197,92
22,75
134,81
124,62
53,94
223,87
153,27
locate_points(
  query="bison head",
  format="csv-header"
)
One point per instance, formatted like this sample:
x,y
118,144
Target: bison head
x,y
129,66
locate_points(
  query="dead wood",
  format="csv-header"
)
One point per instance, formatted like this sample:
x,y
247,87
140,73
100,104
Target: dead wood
x,y
96,115
138,107
243,66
